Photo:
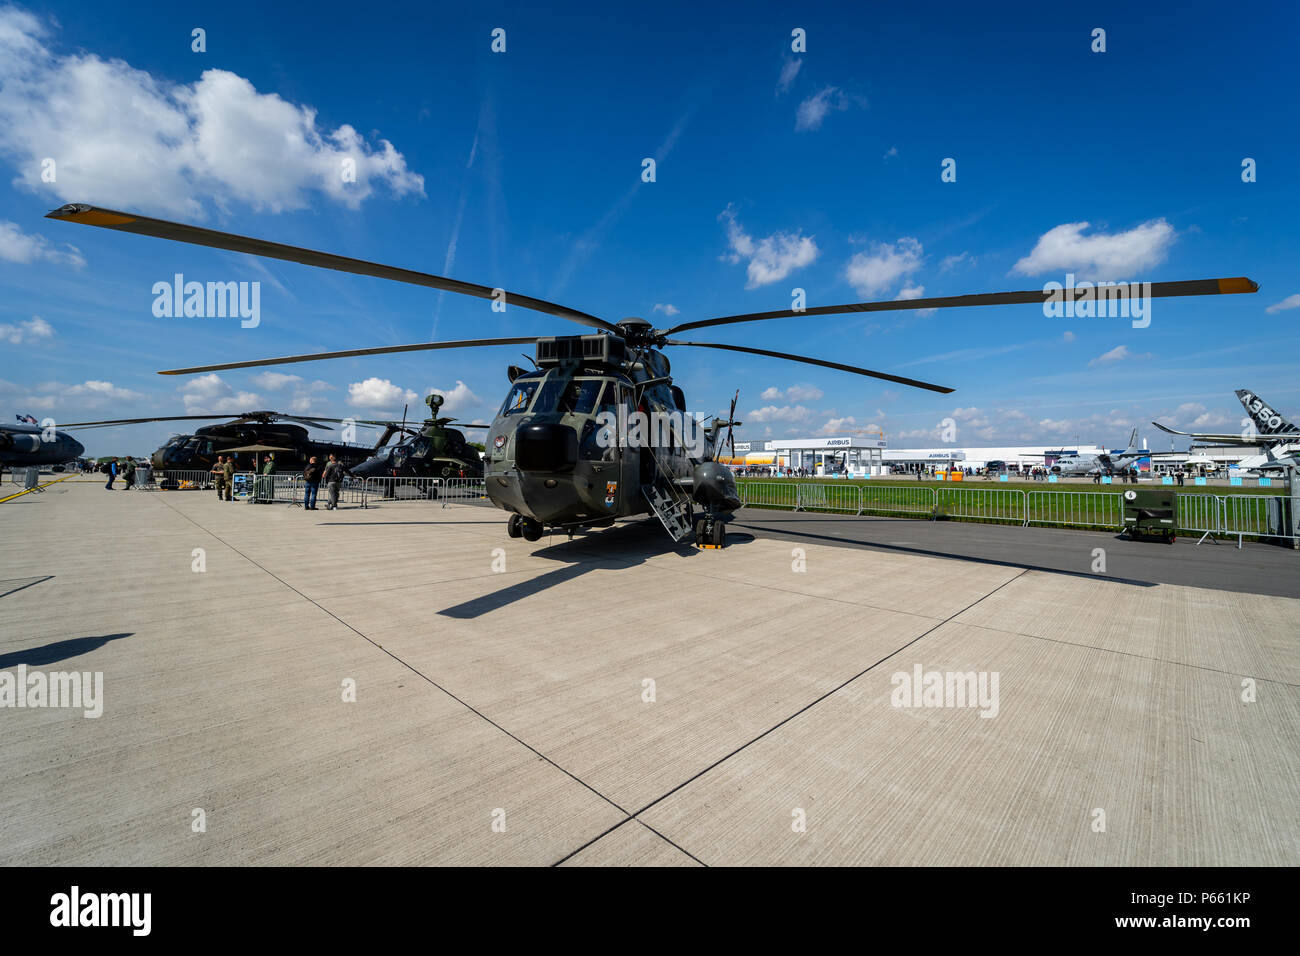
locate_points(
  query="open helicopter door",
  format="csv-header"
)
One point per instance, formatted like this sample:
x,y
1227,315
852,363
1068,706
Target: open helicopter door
x,y
628,457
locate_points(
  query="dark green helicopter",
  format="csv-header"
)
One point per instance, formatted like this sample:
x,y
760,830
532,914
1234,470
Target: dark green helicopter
x,y
432,450
199,451
597,431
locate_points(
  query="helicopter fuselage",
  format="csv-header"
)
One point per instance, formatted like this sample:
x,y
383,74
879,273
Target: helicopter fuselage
x,y
580,441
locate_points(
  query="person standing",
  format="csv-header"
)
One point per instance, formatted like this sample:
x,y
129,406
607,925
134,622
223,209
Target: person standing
x,y
311,476
219,475
228,476
267,481
111,468
333,476
128,473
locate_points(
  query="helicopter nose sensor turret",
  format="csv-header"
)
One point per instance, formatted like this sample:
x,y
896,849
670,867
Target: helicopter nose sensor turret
x,y
546,446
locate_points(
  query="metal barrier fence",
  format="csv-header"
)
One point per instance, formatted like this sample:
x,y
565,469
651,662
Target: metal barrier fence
x,y
1263,516
1257,516
981,504
841,498
889,499
1091,509
1199,514
421,489
463,489
170,480
766,494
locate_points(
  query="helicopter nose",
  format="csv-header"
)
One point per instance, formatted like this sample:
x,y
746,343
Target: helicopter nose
x,y
546,447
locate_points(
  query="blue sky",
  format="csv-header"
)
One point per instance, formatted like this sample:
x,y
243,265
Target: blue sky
x,y
775,170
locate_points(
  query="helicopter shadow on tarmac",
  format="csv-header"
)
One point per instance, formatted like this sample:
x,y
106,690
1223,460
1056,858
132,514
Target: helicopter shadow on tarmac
x,y
622,546
14,585
58,651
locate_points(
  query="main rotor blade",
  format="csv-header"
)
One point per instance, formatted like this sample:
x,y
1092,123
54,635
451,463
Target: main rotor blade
x,y
142,421
812,361
180,232
349,353
232,419
1033,296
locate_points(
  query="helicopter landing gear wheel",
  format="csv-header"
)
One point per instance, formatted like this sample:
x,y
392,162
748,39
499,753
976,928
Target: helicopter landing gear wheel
x,y
719,534
700,531
531,530
513,526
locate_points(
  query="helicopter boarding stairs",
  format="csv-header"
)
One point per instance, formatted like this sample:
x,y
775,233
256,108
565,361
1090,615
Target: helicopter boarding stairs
x,y
669,503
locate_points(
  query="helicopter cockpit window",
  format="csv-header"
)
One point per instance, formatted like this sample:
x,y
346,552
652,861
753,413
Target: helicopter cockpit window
x,y
574,397
520,396
419,447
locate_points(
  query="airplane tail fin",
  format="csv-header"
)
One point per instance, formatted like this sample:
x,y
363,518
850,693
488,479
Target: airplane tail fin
x,y
1133,441
1267,421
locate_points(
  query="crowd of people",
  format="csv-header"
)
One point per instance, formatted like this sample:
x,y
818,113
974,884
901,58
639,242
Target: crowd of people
x,y
331,474
125,467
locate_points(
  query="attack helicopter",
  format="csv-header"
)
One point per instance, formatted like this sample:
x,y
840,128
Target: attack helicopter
x,y
597,431
432,450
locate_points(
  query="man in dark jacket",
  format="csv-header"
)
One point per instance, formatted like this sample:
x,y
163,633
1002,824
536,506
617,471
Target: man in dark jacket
x,y
333,477
128,472
111,469
311,476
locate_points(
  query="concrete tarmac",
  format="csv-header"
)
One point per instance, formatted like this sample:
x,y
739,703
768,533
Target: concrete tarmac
x,y
613,700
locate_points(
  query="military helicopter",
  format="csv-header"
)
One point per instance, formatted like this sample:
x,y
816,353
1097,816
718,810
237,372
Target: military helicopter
x,y
25,443
568,449
199,451
430,451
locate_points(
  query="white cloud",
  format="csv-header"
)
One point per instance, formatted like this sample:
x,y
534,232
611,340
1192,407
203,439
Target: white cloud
x,y
666,308
379,393
98,392
33,330
1290,302
52,395
1106,256
271,381
915,292
789,70
816,108
874,271
803,393
18,246
128,138
779,413
836,426
951,262
456,400
771,259
892,152
210,393
1069,336
1118,354
795,393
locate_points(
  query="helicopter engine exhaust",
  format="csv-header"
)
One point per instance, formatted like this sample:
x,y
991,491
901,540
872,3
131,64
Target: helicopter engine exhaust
x,y
28,444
